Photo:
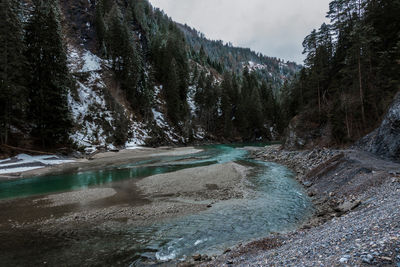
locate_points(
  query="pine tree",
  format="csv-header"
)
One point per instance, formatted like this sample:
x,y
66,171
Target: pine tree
x,y
226,104
12,68
101,29
50,80
172,92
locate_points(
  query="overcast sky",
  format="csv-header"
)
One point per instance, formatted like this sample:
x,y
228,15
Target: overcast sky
x,y
273,27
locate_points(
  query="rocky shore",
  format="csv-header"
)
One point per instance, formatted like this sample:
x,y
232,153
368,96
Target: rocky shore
x,y
357,219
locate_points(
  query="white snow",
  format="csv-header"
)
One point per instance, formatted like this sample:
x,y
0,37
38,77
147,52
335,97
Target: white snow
x,y
159,117
91,62
139,135
88,107
253,66
17,163
190,100
90,104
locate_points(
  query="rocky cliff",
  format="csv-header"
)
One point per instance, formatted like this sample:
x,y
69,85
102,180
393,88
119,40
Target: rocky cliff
x,y
385,140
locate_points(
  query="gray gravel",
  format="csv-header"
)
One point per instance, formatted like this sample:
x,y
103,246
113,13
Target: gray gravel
x,y
369,235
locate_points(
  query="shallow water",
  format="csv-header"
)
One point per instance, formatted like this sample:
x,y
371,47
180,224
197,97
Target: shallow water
x,y
275,203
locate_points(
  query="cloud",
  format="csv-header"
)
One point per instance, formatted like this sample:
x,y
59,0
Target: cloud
x,y
272,27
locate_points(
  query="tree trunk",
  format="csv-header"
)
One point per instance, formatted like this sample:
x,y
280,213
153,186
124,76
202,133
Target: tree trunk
x,y
361,90
319,99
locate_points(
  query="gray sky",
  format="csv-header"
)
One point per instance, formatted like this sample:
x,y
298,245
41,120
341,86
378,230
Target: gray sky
x,y
273,27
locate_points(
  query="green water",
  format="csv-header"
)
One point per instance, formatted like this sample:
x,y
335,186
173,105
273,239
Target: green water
x,y
158,165
275,203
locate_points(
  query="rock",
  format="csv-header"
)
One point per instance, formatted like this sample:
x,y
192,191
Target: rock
x,y
385,141
307,184
227,250
197,257
386,259
311,193
367,258
348,206
344,259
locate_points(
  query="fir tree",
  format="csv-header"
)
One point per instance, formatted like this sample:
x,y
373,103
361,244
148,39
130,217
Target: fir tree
x,y
226,104
172,92
50,79
12,68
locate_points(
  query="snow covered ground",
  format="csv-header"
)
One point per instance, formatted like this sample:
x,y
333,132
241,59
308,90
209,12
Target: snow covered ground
x,y
159,117
24,162
89,108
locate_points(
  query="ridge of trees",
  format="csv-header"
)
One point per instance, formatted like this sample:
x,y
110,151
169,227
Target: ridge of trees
x,y
351,69
34,74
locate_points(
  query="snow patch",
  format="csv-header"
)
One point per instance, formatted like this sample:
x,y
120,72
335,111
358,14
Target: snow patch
x,y
91,62
24,162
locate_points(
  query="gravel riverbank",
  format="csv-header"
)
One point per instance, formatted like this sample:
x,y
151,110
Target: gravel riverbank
x,y
357,222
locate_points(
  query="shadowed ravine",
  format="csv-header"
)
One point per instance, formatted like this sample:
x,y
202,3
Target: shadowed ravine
x,y
273,202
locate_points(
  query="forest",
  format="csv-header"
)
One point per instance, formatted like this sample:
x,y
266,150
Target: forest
x,y
349,77
351,71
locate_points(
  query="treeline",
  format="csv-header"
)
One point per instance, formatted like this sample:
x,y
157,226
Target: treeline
x,y
143,47
223,57
237,107
158,41
352,69
34,78
242,102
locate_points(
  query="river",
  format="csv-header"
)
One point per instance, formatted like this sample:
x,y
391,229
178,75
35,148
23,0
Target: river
x,y
274,202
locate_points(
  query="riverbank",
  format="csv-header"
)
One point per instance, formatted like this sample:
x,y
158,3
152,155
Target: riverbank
x,y
93,226
42,165
357,222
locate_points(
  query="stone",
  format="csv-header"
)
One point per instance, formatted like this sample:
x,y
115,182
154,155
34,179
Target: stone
x,y
197,257
348,206
308,184
227,250
367,258
385,141
386,259
344,259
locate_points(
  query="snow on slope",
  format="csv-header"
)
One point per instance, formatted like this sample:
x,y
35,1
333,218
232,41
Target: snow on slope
x,y
160,120
23,162
94,120
88,106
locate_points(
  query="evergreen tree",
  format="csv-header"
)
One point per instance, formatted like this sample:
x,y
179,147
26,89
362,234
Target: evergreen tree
x,y
49,79
226,104
100,25
351,69
12,68
172,92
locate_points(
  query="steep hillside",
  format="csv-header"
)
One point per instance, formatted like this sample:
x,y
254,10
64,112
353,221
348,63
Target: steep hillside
x,y
129,76
350,77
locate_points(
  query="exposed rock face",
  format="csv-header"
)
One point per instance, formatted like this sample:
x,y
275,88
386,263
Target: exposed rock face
x,y
385,141
302,133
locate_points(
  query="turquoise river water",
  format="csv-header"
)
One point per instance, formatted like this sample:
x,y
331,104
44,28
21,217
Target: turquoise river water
x,y
275,203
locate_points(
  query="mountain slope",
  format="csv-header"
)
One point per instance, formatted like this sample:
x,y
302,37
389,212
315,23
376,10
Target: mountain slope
x,y
225,56
137,77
